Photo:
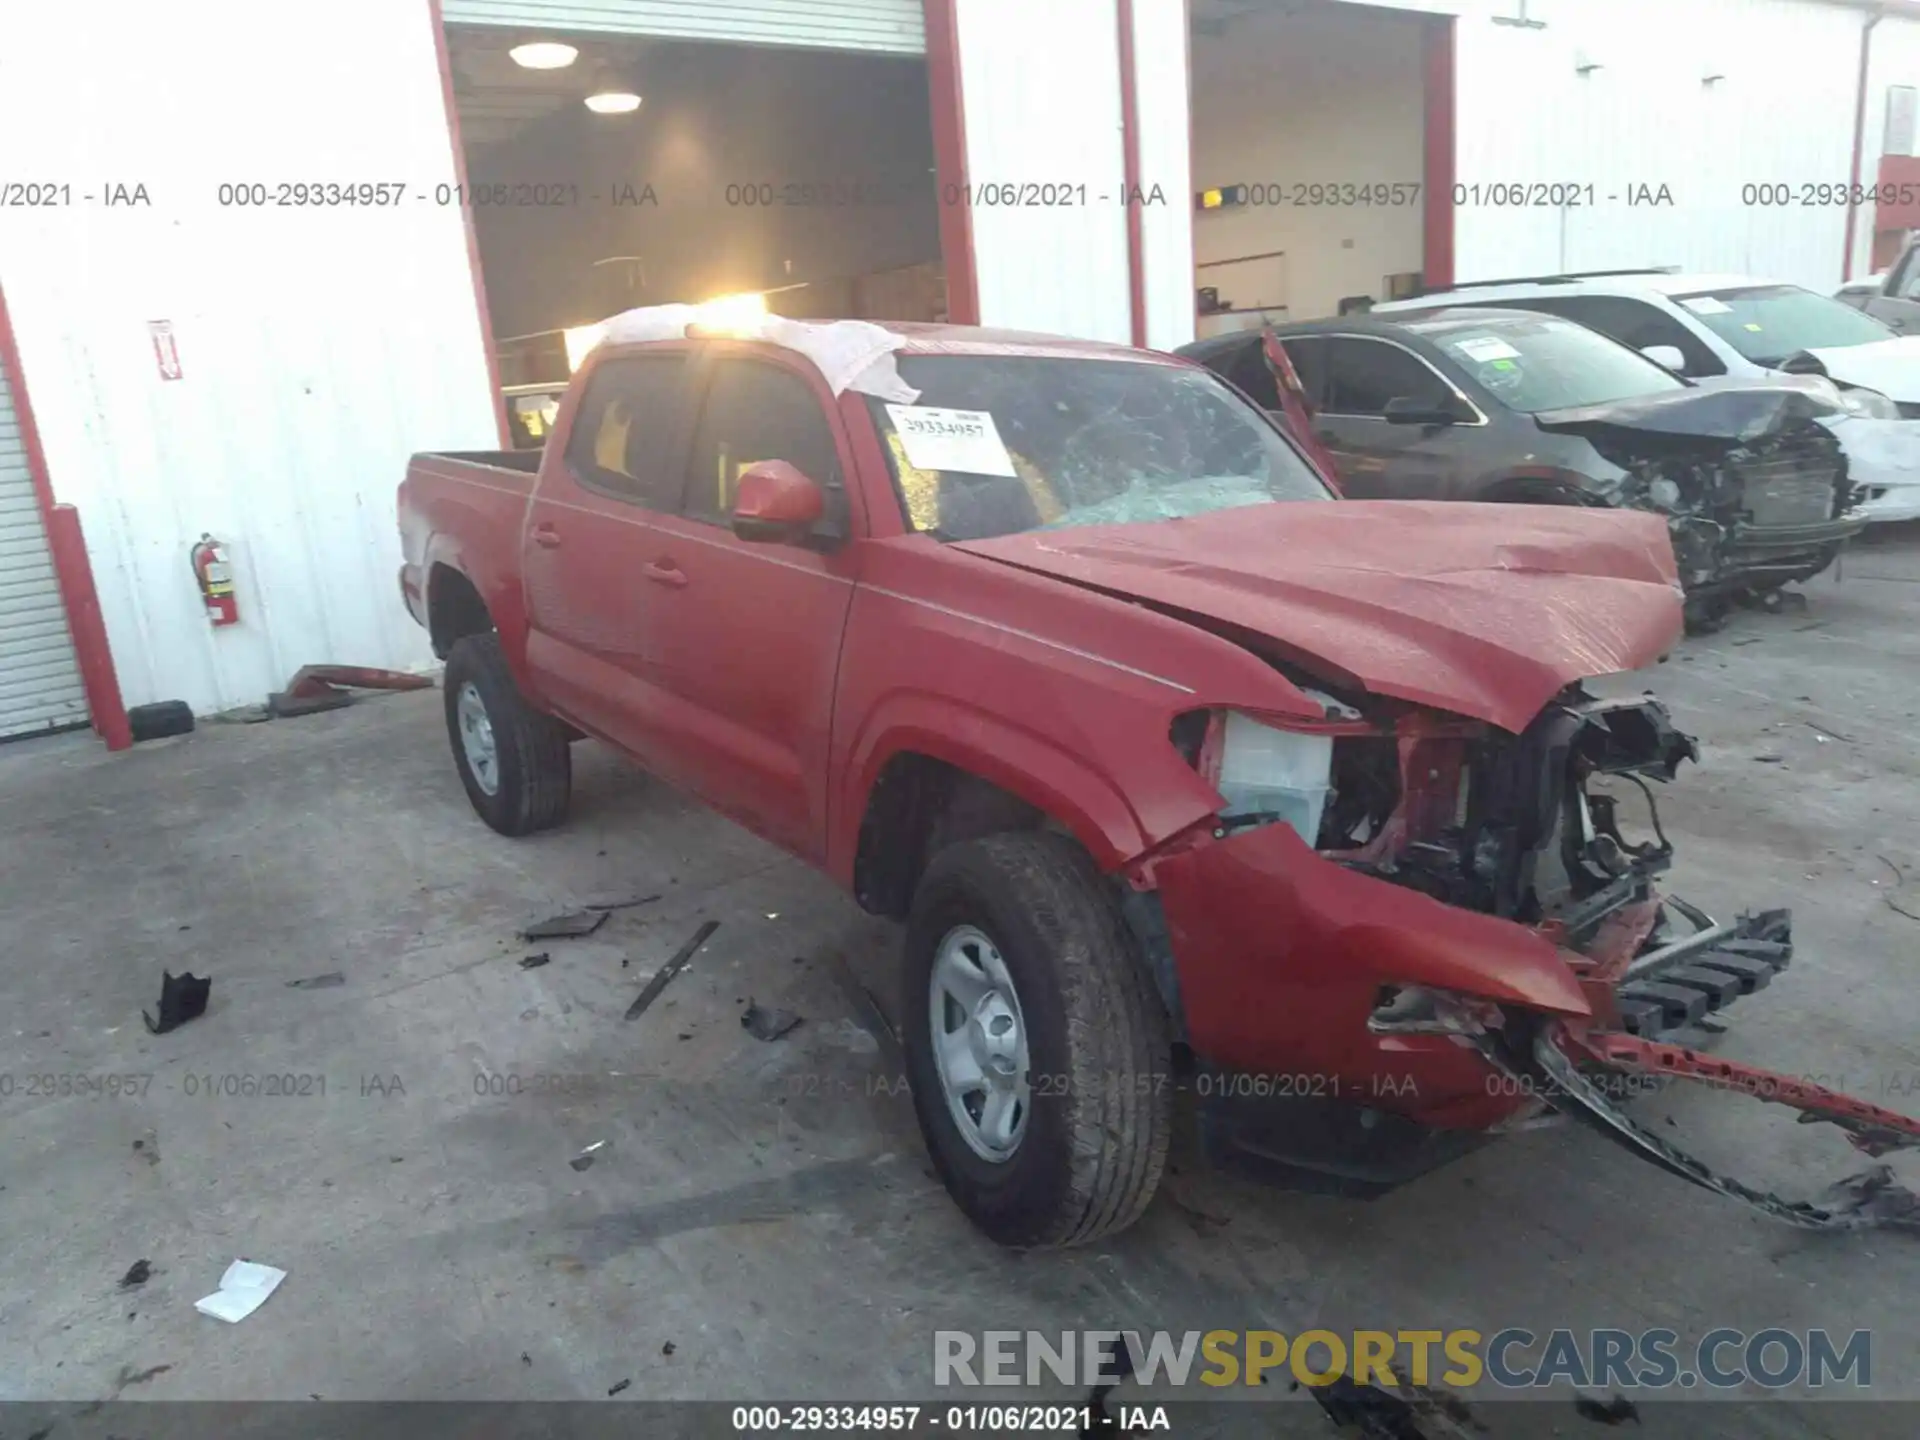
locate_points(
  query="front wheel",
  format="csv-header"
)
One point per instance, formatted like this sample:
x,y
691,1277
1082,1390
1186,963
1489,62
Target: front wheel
x,y
1037,1048
512,759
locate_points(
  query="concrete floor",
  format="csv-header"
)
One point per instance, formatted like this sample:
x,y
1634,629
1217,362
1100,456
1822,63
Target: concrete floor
x,y
766,1209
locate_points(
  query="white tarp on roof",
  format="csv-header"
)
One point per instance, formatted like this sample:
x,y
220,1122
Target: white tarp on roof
x,y
849,354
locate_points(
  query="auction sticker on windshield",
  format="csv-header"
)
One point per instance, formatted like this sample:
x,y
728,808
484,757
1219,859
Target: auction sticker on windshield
x,y
964,440
1486,347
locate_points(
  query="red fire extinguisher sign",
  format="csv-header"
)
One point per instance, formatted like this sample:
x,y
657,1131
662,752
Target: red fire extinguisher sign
x,y
214,574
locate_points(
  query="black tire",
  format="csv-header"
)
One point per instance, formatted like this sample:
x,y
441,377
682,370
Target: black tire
x,y
1100,1063
535,768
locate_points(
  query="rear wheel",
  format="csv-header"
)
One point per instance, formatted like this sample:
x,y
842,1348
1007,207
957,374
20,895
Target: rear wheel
x,y
512,759
1038,1052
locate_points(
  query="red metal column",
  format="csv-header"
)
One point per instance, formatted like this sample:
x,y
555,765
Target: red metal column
x,y
1437,64
70,564
950,159
1130,174
466,219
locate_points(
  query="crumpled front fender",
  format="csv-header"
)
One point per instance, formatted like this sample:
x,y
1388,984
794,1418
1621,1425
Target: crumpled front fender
x,y
1280,954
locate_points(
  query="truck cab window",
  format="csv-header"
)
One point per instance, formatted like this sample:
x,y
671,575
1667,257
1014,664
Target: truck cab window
x,y
756,412
625,424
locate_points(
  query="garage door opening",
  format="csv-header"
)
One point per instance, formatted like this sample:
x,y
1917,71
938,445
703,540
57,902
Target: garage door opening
x,y
1311,156
652,170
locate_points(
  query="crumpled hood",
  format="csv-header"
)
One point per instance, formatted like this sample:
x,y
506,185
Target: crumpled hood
x,y
1733,411
1890,366
1482,610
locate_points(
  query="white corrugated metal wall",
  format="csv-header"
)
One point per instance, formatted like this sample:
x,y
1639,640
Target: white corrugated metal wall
x,y
319,345
40,685
1648,112
1160,81
883,26
1041,84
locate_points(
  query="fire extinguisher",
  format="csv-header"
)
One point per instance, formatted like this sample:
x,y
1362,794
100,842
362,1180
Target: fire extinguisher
x,y
215,578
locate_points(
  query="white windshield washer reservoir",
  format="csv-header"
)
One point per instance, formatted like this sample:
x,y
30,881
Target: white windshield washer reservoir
x,y
1264,771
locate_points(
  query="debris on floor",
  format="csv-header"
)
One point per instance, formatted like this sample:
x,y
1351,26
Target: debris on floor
x,y
159,720
668,1348
138,1273
244,1288
765,1024
570,926
627,904
1416,1412
129,1377
615,1390
318,982
1616,1411
534,962
182,998
315,688
1874,1194
664,975
584,1160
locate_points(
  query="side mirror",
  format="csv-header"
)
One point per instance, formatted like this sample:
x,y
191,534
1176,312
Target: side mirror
x,y
1670,356
1406,410
777,504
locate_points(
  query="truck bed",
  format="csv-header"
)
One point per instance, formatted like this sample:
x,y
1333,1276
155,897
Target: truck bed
x,y
479,496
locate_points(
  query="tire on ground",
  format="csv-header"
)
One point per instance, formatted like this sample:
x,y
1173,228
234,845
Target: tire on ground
x,y
1099,1050
534,763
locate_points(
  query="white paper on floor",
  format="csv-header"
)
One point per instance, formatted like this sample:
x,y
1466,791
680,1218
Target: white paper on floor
x,y
243,1290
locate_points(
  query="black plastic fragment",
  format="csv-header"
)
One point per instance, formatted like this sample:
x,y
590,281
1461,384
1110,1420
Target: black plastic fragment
x,y
628,904
138,1273
664,975
1616,1411
534,962
182,998
765,1024
615,1390
570,926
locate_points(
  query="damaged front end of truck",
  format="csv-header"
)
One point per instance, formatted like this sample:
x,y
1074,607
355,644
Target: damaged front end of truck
x,y
1407,933
1417,898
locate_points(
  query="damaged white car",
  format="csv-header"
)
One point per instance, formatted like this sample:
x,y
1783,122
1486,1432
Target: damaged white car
x,y
1702,326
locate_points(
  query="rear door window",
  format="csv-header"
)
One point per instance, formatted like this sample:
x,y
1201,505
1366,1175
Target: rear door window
x,y
623,439
1309,357
1363,375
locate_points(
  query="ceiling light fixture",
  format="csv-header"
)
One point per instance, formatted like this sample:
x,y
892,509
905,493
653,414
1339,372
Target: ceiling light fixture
x,y
543,55
610,91
613,100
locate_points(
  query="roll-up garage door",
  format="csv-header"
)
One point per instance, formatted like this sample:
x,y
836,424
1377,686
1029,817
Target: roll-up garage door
x,y
881,26
39,678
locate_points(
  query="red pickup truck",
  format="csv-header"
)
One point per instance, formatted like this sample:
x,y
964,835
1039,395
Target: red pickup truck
x,y
1183,773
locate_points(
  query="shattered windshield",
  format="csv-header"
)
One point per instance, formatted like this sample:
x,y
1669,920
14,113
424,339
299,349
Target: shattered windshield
x,y
1542,363
1768,323
999,444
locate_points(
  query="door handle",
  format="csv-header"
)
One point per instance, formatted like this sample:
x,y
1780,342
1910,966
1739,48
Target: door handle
x,y
546,537
664,572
